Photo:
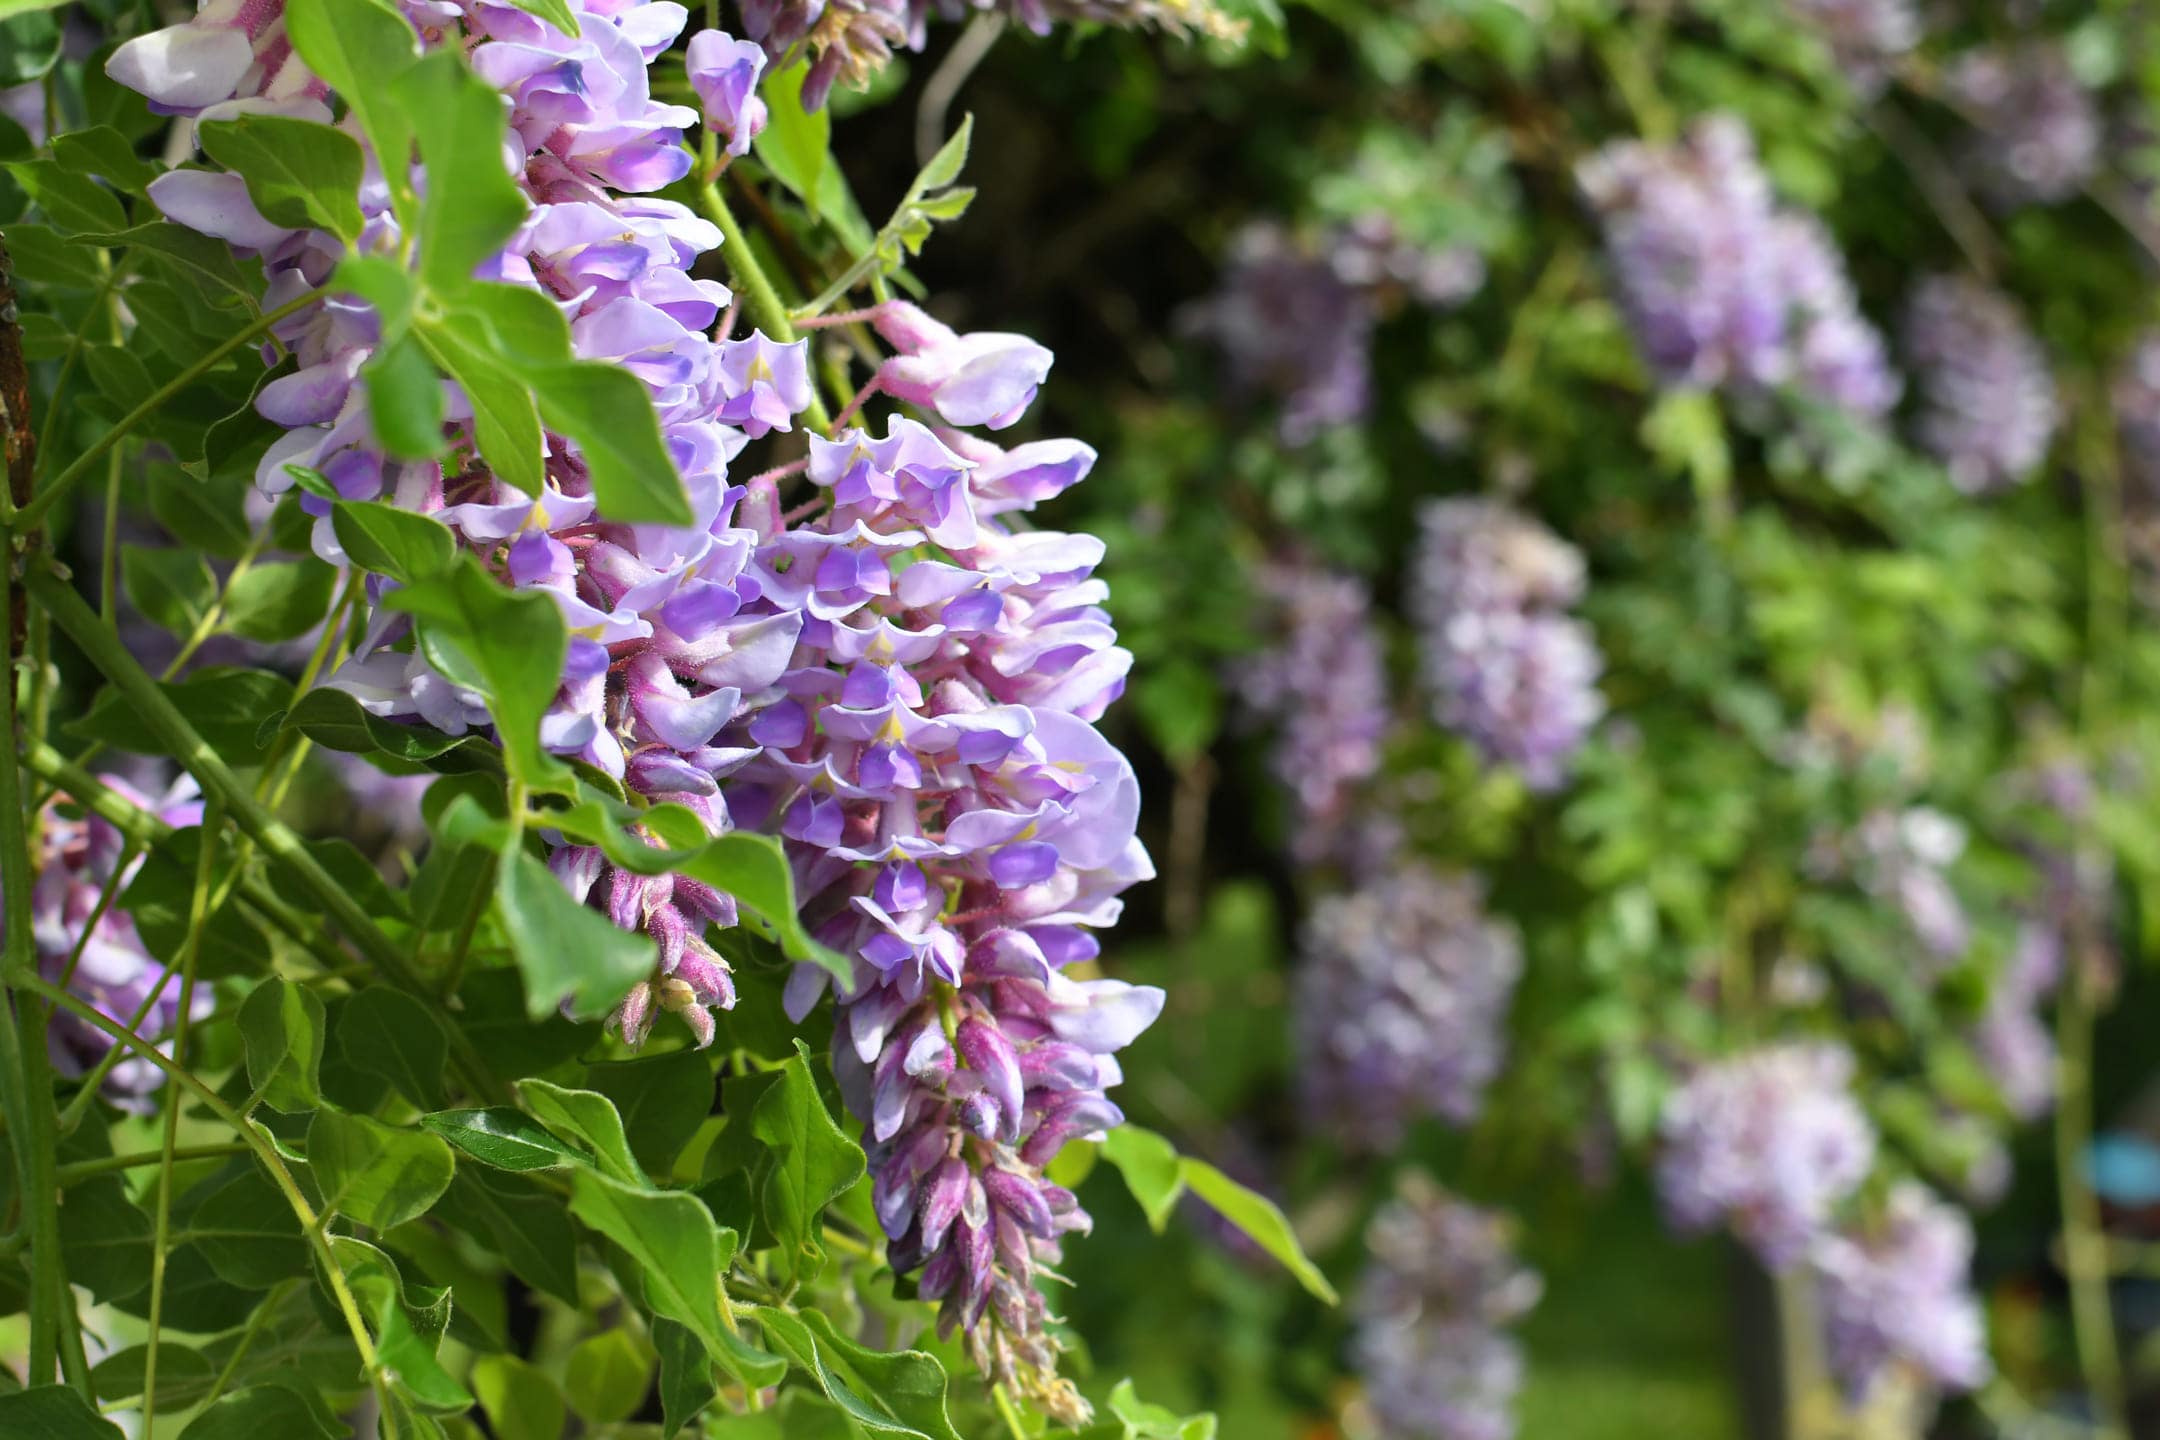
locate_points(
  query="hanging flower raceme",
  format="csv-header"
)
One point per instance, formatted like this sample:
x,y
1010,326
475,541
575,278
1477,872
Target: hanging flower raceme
x,y
1768,1143
1506,669
96,951
2037,135
1432,1313
1866,36
1724,287
1402,997
900,681
1988,403
1323,687
1904,856
1896,1293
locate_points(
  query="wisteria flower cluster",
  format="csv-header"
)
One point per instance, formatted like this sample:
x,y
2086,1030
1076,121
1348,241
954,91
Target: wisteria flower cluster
x,y
1439,1292
1725,287
1402,995
1767,1143
1505,667
1866,36
1897,1292
2037,136
1323,687
1988,404
1294,314
901,683
90,945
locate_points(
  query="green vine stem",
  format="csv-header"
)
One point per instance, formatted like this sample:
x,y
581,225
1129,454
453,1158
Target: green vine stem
x,y
767,310
161,1232
266,1154
31,515
105,650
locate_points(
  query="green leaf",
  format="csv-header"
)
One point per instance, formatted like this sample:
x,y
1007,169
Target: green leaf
x,y
300,174
1149,1164
946,165
506,421
279,601
679,1251
506,644
504,1138
1259,1217
589,1119
335,720
224,706
206,261
754,869
72,204
383,283
247,1232
662,1100
528,328
565,950
795,143
184,1376
174,589
388,1033
522,1223
104,152
521,1402
556,12
54,1412
405,399
105,1239
472,205
407,1329
814,1162
360,48
901,1393
1143,1421
608,412
281,1027
258,1412
608,1376
205,515
686,1375
378,1174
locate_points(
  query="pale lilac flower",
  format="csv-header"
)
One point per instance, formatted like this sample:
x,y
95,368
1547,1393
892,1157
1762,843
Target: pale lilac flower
x,y
1505,669
1767,1143
1897,1293
986,378
1988,404
1867,36
1905,856
1402,995
1432,1314
1290,326
724,72
2037,133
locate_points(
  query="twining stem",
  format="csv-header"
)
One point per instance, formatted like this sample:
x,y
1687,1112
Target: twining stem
x,y
161,1223
81,1170
25,1075
265,1153
195,755
52,492
767,311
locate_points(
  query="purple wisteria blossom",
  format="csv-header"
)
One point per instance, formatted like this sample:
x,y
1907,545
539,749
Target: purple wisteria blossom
x,y
1294,314
1896,1293
2011,1038
106,963
1432,1315
1866,36
898,678
1767,1143
1402,994
2037,135
1988,403
724,71
1724,287
1323,689
1505,667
